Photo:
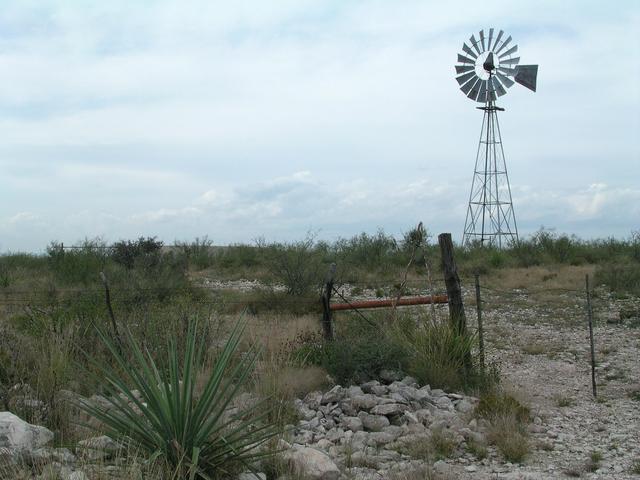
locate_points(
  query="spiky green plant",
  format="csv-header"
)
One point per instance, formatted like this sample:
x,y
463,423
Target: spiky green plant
x,y
169,420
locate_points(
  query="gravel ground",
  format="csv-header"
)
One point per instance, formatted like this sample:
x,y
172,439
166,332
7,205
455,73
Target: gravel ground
x,y
542,348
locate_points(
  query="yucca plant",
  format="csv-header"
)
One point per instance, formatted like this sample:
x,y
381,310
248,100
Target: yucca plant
x,y
169,420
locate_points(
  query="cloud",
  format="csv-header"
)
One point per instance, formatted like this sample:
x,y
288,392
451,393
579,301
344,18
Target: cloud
x,y
196,115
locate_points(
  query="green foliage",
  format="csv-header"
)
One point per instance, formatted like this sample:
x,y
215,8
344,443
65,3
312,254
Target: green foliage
x,y
371,252
443,443
359,353
199,253
77,266
477,449
170,420
144,250
620,278
437,354
295,265
595,457
497,403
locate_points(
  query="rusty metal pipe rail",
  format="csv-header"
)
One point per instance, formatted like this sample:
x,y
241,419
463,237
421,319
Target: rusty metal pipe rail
x,y
390,302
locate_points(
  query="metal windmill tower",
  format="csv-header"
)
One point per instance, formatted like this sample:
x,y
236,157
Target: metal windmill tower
x,y
485,70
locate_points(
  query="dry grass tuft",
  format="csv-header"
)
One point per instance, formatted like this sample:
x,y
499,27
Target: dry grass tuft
x,y
510,437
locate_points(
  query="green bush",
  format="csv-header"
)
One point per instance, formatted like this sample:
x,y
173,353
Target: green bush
x,y
496,403
359,352
437,354
620,278
295,265
169,419
144,250
199,253
79,265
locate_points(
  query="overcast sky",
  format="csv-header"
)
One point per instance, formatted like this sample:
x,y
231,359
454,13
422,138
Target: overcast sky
x,y
258,118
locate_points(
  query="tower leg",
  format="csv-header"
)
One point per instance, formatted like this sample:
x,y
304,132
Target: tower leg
x,y
490,217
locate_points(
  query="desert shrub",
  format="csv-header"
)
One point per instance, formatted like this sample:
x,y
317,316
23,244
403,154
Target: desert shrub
x,y
79,265
498,403
437,354
144,250
173,422
510,437
373,252
525,254
359,352
239,256
199,253
620,278
295,265
508,419
271,301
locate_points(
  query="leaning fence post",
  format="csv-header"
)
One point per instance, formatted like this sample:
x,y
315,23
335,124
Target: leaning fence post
x,y
593,352
327,325
480,329
452,281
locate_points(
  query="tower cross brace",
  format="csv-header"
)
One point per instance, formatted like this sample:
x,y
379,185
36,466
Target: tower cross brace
x,y
490,220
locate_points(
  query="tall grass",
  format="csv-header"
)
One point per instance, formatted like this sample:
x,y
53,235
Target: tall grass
x,y
437,353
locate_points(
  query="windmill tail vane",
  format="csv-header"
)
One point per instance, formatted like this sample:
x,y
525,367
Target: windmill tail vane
x,y
487,67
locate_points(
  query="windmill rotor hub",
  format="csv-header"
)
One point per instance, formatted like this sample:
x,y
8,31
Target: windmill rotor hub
x,y
488,66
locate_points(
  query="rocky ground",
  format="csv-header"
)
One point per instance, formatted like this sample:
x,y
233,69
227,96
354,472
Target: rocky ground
x,y
388,429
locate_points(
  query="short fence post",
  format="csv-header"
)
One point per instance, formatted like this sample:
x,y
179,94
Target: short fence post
x,y
457,316
480,329
593,352
327,325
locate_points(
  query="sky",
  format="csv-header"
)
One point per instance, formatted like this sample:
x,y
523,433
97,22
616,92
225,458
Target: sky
x,y
253,119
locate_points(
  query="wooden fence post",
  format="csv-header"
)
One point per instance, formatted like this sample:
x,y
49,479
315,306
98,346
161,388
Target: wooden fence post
x,y
327,324
593,350
457,316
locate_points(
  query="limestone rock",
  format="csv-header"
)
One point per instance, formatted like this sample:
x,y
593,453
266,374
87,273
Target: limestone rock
x,y
312,463
373,423
18,435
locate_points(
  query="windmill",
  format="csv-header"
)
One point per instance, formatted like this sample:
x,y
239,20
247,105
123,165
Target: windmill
x,y
485,70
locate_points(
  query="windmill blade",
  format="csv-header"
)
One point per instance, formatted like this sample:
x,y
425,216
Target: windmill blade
x,y
526,75
510,61
464,68
463,59
462,79
473,93
495,44
490,38
482,94
482,39
504,79
513,49
506,42
511,72
466,88
468,51
474,43
499,89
